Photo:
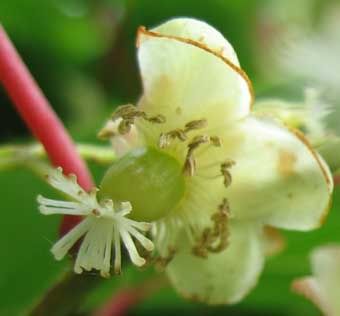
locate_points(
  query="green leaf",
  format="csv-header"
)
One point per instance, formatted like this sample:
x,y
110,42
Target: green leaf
x,y
27,266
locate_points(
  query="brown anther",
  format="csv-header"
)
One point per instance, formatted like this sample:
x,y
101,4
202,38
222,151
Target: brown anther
x,y
224,207
214,239
125,111
124,126
158,119
189,165
105,133
193,125
216,141
200,251
96,212
228,164
166,138
190,161
180,134
161,262
128,113
197,141
227,178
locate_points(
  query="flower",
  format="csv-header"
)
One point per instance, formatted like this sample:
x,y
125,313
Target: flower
x,y
323,288
104,225
308,116
235,172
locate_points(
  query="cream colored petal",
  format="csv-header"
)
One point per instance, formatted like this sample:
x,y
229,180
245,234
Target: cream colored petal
x,y
326,269
274,241
278,178
189,71
222,278
310,289
200,32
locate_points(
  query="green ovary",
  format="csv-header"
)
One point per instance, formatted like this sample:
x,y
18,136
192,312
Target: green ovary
x,y
151,180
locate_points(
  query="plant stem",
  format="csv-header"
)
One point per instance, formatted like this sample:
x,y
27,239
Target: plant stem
x,y
124,300
67,296
337,179
13,155
40,118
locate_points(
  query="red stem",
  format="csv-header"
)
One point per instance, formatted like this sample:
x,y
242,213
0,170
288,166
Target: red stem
x,y
124,300
40,118
336,179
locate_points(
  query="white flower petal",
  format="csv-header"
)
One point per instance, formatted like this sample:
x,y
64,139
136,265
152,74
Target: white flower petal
x,y
326,269
131,248
91,254
224,277
310,289
118,254
145,242
278,178
185,79
104,227
49,207
200,32
63,245
67,185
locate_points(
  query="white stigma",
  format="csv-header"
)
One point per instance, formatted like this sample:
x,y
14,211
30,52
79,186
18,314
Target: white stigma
x,y
103,227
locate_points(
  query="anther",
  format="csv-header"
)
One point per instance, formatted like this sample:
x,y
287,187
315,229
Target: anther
x,y
190,161
128,113
158,119
179,133
214,239
166,138
197,124
162,262
216,141
189,165
96,212
225,166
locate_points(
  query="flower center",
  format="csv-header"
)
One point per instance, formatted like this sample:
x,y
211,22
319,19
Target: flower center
x,y
151,180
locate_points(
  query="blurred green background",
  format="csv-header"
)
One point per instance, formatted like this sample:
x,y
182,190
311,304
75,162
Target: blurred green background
x,y
83,55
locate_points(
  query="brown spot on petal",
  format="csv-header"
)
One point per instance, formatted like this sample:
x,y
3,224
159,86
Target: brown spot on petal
x,y
286,163
274,241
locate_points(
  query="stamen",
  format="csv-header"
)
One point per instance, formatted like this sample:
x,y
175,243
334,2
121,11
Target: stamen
x,y
128,113
189,167
158,119
166,138
225,166
214,239
194,125
179,133
216,141
162,262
